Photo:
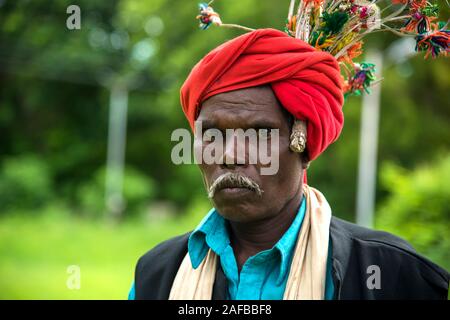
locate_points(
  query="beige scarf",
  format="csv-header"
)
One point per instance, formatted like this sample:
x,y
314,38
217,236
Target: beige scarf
x,y
306,279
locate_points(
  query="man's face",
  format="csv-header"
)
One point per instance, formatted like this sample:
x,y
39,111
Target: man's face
x,y
251,108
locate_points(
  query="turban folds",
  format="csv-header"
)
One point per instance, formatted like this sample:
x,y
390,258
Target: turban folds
x,y
307,82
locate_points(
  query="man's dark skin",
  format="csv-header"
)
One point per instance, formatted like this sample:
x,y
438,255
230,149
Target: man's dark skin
x,y
256,223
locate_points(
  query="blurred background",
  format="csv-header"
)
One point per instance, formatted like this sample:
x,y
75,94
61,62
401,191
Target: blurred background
x,y
86,116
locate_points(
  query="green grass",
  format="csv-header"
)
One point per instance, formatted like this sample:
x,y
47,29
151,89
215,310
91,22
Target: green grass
x,y
35,252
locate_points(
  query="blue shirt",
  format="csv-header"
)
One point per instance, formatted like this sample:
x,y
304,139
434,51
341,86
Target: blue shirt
x,y
264,275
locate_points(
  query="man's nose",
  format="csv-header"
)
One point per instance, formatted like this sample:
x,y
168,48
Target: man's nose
x,y
235,152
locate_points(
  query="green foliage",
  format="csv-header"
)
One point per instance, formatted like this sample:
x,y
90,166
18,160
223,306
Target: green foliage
x,y
25,183
417,207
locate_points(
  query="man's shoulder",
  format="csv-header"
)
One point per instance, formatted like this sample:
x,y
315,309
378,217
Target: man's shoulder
x,y
381,241
156,269
359,233
167,248
401,264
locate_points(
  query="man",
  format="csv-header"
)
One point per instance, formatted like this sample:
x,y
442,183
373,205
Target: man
x,y
273,236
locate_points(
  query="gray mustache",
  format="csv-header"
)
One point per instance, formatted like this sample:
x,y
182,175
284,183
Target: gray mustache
x,y
235,180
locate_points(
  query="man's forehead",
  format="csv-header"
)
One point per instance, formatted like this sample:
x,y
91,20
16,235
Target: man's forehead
x,y
253,96
249,107
247,102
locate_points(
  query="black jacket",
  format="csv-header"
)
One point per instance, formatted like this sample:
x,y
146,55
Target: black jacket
x,y
404,274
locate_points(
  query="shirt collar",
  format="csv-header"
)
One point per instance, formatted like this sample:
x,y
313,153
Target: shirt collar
x,y
212,233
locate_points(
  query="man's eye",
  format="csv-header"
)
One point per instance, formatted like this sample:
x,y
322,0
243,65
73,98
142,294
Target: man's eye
x,y
210,134
264,133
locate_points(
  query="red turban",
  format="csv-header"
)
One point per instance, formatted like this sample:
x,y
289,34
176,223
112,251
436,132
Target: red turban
x,y
307,82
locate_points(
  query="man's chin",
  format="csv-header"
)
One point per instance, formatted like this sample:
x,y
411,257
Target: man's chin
x,y
237,211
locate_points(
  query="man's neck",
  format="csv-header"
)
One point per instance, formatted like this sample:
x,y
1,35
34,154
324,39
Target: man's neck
x,y
250,238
